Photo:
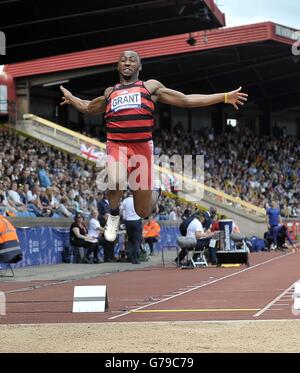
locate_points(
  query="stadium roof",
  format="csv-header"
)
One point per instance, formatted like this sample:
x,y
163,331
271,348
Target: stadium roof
x,y
36,29
258,57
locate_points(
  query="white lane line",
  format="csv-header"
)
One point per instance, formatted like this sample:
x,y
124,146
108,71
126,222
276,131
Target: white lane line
x,y
283,304
280,296
200,286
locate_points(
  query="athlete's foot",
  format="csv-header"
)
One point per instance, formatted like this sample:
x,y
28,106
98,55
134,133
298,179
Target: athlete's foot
x,y
111,228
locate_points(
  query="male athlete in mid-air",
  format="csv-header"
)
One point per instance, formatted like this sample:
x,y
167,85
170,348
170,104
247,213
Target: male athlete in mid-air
x,y
128,108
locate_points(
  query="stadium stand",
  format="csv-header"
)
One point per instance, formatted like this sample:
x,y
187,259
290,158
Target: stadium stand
x,y
249,171
242,165
70,185
257,174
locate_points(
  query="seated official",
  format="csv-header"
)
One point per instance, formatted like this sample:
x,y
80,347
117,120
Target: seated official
x,y
79,238
195,236
151,233
10,251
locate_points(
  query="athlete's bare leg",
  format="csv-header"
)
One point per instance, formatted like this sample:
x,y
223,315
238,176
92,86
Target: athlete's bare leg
x,y
145,202
114,197
117,175
117,181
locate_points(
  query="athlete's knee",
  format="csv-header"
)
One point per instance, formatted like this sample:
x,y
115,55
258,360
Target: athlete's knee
x,y
116,184
143,211
113,194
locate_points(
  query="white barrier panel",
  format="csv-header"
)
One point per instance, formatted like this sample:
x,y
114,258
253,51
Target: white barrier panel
x,y
2,304
90,299
296,296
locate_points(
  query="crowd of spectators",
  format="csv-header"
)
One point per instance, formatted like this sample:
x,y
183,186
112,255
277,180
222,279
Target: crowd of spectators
x,y
39,180
255,169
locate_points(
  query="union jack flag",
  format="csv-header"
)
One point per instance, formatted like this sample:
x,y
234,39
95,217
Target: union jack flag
x,y
91,153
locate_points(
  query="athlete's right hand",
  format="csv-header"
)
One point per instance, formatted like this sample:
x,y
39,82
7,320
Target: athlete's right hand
x,y
66,97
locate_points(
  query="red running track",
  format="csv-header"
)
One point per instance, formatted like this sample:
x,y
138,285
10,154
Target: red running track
x,y
262,291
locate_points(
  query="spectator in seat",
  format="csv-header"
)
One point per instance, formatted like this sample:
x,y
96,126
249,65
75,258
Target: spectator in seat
x,y
45,202
62,208
14,198
173,216
26,178
79,238
54,197
44,179
186,213
5,208
95,230
34,202
102,204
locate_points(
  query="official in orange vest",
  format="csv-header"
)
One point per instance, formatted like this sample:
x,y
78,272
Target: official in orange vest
x,y
151,232
10,251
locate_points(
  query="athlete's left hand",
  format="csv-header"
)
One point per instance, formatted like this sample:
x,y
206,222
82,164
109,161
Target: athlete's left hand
x,y
67,96
236,98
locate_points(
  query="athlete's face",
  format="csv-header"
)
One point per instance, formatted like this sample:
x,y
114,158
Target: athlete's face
x,y
129,64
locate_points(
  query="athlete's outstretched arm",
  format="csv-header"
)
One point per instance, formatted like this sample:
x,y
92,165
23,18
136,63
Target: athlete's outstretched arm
x,y
96,106
176,98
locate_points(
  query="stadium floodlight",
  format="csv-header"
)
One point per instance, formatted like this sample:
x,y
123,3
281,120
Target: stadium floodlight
x,y
2,44
181,10
191,40
56,83
232,122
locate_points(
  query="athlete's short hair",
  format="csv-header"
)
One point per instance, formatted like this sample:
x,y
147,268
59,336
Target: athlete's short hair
x,y
131,51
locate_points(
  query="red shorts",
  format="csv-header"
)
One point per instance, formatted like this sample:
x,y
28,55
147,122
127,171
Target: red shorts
x,y
138,158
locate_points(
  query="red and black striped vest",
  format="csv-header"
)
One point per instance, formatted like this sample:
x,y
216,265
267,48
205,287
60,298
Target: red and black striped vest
x,y
129,113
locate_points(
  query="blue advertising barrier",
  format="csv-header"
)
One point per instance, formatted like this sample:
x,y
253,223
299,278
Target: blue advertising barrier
x,y
168,237
44,245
